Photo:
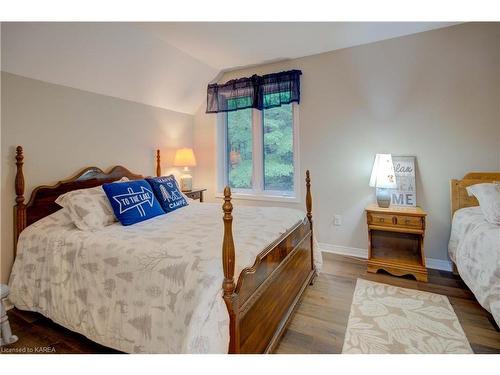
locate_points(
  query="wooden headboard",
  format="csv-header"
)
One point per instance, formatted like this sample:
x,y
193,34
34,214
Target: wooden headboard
x,y
458,193
42,201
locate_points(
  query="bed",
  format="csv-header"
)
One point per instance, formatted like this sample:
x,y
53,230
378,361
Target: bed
x,y
155,287
474,245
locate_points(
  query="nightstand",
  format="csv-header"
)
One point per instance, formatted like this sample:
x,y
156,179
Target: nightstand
x,y
195,194
396,240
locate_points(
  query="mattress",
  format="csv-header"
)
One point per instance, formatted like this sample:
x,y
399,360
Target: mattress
x,y
153,287
474,247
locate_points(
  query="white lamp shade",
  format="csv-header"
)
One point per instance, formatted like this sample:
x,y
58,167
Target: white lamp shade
x,y
383,172
184,157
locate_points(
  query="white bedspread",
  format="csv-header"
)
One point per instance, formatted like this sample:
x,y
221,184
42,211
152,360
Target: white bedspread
x,y
475,248
153,287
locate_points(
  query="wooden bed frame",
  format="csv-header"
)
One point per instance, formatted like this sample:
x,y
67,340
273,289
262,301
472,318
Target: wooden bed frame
x,y
458,193
260,301
459,198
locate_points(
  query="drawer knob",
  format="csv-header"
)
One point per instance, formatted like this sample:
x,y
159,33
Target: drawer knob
x,y
407,221
381,219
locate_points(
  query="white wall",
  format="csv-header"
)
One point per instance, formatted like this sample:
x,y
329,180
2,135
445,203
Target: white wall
x,y
110,58
435,95
63,130
1,168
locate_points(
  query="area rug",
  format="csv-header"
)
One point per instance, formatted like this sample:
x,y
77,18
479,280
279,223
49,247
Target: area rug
x,y
391,320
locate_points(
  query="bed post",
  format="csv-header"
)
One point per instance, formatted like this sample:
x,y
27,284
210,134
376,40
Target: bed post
x,y
158,168
309,215
228,285
308,197
20,207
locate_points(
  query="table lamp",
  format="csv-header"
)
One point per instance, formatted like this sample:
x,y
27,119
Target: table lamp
x,y
184,157
383,179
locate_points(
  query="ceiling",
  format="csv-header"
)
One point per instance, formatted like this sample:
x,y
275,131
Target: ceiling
x,y
229,45
169,64
112,59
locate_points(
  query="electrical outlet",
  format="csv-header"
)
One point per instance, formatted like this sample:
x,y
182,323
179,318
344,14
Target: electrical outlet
x,y
337,220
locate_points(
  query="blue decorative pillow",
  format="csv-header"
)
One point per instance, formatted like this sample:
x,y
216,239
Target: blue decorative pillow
x,y
167,192
132,201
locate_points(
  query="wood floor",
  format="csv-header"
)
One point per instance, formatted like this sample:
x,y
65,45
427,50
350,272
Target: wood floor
x,y
318,325
321,320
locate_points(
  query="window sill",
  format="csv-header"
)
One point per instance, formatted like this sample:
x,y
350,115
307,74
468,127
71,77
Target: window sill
x,y
260,197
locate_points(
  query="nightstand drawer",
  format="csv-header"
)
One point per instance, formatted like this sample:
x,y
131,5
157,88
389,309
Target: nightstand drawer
x,y
196,194
381,219
410,221
193,194
394,220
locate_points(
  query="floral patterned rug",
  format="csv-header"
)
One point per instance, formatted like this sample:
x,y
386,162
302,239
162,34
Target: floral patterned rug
x,y
391,320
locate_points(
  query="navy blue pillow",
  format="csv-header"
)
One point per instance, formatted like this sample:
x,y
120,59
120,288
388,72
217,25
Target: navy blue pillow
x,y
132,201
167,192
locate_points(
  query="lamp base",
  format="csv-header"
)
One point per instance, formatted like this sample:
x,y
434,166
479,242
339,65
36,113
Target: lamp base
x,y
383,197
186,182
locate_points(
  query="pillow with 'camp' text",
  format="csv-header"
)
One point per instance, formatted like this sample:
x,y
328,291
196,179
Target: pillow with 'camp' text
x,y
132,201
168,193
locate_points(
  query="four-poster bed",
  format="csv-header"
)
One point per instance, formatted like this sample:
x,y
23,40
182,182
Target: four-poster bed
x,y
260,300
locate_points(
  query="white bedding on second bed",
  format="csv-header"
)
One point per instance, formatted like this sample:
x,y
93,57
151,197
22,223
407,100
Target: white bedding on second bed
x,y
475,248
153,287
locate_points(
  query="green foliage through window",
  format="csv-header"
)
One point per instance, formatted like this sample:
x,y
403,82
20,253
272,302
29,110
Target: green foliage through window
x,y
239,148
278,158
278,148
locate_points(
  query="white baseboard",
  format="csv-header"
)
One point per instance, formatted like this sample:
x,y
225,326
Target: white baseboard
x,y
437,264
344,250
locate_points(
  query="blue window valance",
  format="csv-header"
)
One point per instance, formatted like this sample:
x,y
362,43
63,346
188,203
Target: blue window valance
x,y
260,92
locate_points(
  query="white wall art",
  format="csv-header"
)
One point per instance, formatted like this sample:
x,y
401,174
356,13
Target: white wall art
x,y
406,193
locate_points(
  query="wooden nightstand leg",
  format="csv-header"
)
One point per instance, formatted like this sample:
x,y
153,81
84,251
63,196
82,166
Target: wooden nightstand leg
x,y
371,269
421,277
422,252
369,244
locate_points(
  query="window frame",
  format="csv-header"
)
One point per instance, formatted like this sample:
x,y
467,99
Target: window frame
x,y
257,192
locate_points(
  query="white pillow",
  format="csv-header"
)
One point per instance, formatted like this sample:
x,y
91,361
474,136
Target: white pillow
x,y
89,209
488,196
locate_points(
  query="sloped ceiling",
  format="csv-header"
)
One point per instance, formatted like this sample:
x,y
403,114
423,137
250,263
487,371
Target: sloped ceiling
x,y
114,59
169,64
228,45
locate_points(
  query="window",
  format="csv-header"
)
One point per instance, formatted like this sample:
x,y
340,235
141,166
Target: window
x,y
240,149
258,151
278,148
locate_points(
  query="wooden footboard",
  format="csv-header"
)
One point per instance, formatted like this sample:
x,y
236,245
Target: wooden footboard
x,y
266,294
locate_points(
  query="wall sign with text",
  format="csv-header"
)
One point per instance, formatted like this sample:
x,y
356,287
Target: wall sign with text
x,y
406,193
